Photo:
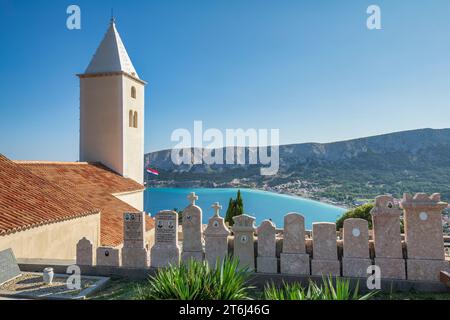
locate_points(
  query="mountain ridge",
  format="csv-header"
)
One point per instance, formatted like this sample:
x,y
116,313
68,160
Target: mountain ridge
x,y
414,160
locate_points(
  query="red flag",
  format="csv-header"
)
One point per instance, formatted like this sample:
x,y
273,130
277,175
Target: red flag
x,y
153,171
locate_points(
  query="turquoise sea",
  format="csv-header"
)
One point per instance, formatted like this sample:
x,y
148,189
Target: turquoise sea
x,y
260,204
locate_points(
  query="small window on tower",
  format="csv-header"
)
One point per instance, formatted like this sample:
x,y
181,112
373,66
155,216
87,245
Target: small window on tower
x,y
135,119
133,92
130,118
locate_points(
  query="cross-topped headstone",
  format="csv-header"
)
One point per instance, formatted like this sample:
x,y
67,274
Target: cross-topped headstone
x,y
217,207
216,238
192,231
192,197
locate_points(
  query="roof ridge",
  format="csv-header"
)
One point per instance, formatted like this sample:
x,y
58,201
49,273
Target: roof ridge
x,y
50,162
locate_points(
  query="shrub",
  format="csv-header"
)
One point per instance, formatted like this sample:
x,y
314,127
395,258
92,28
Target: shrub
x,y
197,281
329,290
362,212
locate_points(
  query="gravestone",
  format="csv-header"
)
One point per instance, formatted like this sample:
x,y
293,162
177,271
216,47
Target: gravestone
x,y
192,231
356,258
293,258
9,269
424,236
325,260
166,250
216,238
266,262
108,256
244,238
387,238
85,252
134,253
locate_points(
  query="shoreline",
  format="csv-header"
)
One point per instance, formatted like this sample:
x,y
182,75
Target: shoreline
x,y
291,194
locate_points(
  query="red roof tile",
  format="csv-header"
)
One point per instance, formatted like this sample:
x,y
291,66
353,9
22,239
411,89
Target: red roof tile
x,y
95,183
28,200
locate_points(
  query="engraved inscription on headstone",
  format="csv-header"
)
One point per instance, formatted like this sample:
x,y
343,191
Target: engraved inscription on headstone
x,y
165,250
9,269
165,229
134,253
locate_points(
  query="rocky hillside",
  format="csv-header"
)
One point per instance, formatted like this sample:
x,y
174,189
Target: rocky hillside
x,y
409,161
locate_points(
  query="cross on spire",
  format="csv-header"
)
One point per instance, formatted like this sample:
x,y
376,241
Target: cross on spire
x,y
192,198
217,208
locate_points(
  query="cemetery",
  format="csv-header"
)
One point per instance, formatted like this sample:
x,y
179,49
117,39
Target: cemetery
x,y
414,260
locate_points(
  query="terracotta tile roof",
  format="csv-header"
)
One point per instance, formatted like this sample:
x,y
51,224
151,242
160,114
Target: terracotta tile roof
x,y
28,200
95,183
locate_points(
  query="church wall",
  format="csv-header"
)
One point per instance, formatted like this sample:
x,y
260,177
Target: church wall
x,y
56,241
101,121
134,199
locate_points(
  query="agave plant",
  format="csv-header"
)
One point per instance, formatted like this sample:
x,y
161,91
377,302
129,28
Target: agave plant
x,y
196,280
339,289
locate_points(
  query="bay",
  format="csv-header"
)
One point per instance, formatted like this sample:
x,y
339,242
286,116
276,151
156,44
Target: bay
x,y
260,204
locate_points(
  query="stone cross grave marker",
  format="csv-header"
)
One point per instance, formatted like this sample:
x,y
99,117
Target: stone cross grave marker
x,y
192,231
356,258
108,256
9,269
424,236
244,240
266,262
166,250
85,252
293,258
134,253
325,260
387,238
216,238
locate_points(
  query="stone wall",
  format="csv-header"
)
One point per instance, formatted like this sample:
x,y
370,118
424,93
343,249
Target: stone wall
x,y
53,241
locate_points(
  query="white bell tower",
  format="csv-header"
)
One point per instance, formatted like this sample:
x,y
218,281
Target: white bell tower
x,y
112,110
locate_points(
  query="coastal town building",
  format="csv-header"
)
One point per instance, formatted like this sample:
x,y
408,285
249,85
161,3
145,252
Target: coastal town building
x,y
46,207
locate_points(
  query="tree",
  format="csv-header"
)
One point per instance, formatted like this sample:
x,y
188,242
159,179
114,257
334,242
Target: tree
x,y
235,208
180,215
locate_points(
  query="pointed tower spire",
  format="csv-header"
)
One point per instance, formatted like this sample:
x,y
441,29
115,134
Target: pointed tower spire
x,y
111,55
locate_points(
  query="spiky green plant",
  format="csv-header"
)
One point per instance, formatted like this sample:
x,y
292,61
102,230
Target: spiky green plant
x,y
195,280
339,289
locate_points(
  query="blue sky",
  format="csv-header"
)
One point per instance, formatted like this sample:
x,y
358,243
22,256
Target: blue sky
x,y
309,68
